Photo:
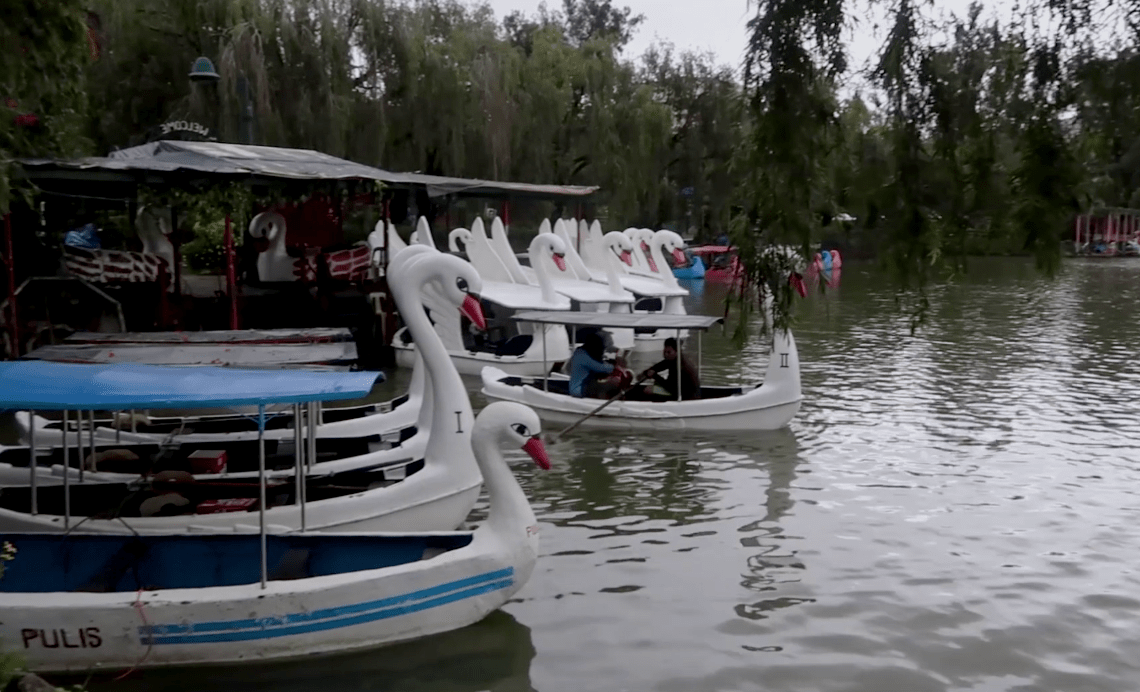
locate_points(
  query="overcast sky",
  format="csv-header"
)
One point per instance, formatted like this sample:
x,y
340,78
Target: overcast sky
x,y
718,26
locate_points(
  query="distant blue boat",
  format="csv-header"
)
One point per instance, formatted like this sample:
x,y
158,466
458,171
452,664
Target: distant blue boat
x,y
694,270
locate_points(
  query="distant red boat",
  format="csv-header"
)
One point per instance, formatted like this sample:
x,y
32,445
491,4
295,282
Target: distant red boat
x,y
722,264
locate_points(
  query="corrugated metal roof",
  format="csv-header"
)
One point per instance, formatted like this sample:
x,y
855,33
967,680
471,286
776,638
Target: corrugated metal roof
x,y
246,160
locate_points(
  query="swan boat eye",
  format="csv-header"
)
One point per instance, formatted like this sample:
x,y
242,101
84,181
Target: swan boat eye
x,y
521,429
462,284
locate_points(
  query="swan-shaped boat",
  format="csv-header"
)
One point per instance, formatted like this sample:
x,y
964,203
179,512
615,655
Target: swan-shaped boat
x,y
657,292
574,280
153,227
274,265
515,348
84,602
692,269
769,405
722,263
357,443
385,419
439,491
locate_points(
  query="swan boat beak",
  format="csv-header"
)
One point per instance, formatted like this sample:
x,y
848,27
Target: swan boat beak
x,y
679,258
648,257
627,257
560,262
537,451
474,312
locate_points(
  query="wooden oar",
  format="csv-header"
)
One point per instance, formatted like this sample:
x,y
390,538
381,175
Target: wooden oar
x,y
612,399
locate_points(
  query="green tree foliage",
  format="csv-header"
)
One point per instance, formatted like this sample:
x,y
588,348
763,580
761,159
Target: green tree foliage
x,y
436,86
970,136
980,137
44,51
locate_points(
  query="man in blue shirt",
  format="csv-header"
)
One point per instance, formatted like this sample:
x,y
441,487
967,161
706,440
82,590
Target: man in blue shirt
x,y
585,367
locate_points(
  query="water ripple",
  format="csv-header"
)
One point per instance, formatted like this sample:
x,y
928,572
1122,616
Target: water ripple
x,y
953,510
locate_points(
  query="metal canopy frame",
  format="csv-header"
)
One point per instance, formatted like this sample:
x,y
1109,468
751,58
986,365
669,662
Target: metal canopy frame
x,y
320,387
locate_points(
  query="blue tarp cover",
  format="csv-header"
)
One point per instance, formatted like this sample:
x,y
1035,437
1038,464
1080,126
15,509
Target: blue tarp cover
x,y
48,386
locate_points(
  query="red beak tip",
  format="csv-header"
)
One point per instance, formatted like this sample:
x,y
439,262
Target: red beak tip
x,y
474,312
537,451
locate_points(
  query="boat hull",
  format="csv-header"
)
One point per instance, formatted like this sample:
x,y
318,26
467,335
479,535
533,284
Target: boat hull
x,y
400,452
771,417
437,497
78,632
388,418
369,511
753,409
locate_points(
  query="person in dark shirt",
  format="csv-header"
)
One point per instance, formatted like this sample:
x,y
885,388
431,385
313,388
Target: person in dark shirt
x,y
665,375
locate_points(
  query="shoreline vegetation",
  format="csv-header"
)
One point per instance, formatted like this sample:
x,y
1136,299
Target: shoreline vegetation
x,y
977,134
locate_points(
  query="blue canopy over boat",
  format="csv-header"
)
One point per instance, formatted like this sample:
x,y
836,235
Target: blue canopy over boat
x,y
48,386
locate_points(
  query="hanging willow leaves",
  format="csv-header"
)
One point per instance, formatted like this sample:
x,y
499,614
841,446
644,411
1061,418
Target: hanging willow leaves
x,y
794,55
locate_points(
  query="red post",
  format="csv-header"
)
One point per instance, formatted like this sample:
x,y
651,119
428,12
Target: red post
x,y
505,212
176,243
10,267
231,274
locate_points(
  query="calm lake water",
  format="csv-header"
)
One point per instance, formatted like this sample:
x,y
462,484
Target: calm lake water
x,y
951,511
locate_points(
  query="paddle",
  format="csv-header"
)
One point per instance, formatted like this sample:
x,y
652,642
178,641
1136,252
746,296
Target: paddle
x,y
614,397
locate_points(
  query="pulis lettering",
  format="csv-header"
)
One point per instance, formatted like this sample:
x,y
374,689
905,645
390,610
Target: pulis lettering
x,y
79,638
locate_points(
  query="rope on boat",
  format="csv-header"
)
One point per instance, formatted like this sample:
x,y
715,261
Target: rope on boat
x,y
141,609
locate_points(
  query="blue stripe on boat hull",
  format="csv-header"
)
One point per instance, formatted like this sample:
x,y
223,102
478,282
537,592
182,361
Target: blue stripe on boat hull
x,y
329,618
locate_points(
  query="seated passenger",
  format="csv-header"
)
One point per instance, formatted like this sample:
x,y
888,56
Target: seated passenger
x,y
687,375
585,368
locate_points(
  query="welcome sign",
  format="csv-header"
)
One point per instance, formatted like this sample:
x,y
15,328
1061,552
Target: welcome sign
x,y
182,129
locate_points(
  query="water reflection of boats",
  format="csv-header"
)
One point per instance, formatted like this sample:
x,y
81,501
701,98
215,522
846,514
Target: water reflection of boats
x,y
617,479
774,562
493,654
668,483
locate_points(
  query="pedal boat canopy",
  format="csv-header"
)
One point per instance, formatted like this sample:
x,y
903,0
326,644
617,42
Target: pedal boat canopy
x,y
51,386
